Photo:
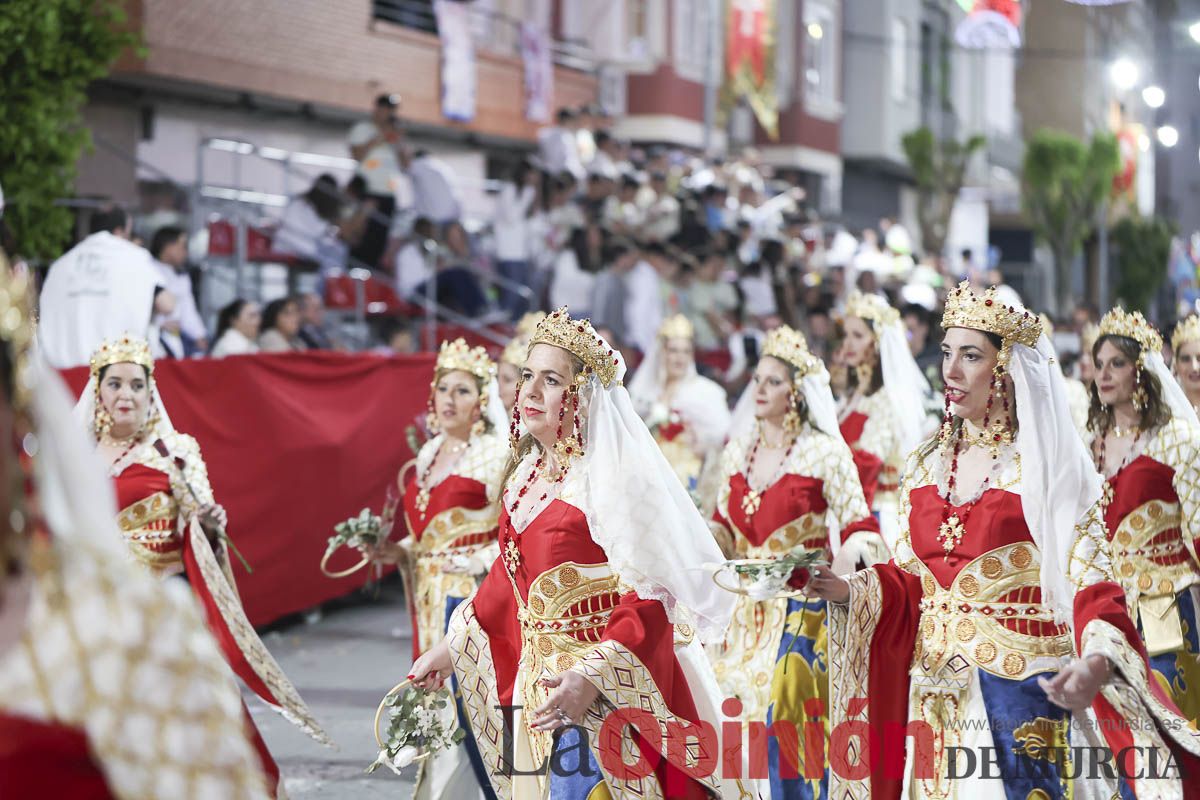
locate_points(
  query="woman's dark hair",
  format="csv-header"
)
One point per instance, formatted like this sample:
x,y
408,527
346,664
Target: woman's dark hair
x,y
325,198
876,369
1154,413
104,371
274,309
521,171
225,318
583,254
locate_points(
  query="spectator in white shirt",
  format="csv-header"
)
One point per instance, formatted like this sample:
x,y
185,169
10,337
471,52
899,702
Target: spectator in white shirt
x,y
663,217
237,329
309,227
515,205
585,142
182,330
412,262
434,193
102,288
377,145
558,146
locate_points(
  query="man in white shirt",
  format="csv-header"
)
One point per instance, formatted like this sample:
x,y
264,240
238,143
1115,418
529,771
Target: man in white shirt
x,y
511,229
663,217
377,144
434,193
558,146
103,287
182,331
412,264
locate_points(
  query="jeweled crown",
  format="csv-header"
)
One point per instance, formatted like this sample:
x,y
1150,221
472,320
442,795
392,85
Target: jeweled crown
x,y
458,355
578,337
677,326
965,309
124,349
871,308
1120,322
789,346
1188,330
1087,339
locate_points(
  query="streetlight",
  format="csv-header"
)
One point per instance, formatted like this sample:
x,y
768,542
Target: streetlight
x,y
1124,74
1194,30
1154,96
815,31
1168,136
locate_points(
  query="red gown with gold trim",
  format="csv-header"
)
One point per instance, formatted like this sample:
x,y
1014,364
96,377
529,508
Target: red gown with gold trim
x,y
550,604
980,638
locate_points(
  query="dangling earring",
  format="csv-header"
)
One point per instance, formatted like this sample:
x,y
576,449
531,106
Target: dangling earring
x,y
864,371
514,425
792,421
1140,398
431,421
478,427
568,448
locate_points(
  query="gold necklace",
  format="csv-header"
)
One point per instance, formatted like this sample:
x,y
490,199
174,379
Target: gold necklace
x,y
1121,433
424,490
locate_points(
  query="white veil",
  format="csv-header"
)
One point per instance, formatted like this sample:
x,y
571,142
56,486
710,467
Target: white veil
x,y
702,403
1173,394
906,387
494,410
85,411
1059,482
818,397
639,512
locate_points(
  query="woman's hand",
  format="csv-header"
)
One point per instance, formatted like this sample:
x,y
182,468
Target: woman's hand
x,y
823,583
213,518
1075,686
386,552
430,671
572,696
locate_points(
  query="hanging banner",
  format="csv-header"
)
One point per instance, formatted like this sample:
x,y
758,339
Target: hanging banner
x,y
458,60
750,60
539,72
989,24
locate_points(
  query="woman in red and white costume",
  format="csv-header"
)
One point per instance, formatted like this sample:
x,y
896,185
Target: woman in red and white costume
x,y
602,586
882,416
1003,591
170,522
110,686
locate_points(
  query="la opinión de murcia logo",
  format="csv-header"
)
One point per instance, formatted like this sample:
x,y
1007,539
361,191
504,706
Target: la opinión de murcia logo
x,y
853,750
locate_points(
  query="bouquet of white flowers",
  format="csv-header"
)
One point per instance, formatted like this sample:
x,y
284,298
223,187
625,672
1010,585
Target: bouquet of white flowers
x,y
362,533
766,578
419,725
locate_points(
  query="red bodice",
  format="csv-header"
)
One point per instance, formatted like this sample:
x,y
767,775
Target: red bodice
x,y
869,465
671,431
46,759
138,482
786,500
454,491
852,427
995,520
1141,481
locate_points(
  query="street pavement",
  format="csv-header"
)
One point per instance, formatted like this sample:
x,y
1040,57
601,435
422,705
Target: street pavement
x,y
343,660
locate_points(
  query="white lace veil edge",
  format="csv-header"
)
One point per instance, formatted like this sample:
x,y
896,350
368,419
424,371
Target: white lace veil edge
x,y
906,387
1059,482
640,514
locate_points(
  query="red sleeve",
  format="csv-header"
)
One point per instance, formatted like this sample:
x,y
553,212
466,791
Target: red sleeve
x,y
868,523
496,612
869,467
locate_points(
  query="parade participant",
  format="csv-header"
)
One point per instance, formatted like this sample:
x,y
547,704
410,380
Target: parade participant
x,y
882,416
508,370
1185,344
787,481
110,687
603,566
448,541
687,413
1001,576
169,520
1146,444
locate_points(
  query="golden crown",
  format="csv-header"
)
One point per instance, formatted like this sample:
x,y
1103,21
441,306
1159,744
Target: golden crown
x,y
871,308
125,349
458,355
1087,339
1120,322
516,350
528,324
677,326
16,326
965,309
1188,330
579,338
789,346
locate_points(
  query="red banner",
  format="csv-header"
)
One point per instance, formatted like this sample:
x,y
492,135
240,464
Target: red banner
x,y
295,443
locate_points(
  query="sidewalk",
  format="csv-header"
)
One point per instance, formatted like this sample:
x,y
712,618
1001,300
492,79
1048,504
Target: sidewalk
x,y
342,663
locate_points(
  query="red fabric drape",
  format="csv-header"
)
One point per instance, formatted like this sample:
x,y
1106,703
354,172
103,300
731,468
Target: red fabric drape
x,y
294,443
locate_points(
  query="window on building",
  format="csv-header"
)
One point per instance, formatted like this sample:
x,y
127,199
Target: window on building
x,y
820,54
690,39
899,46
416,14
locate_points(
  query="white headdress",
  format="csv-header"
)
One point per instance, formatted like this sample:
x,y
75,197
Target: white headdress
x,y
636,508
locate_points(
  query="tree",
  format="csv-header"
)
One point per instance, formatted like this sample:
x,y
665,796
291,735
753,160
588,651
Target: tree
x,y
1063,184
1143,248
938,167
51,50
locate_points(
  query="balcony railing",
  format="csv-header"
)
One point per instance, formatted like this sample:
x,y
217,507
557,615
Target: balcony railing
x,y
493,31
